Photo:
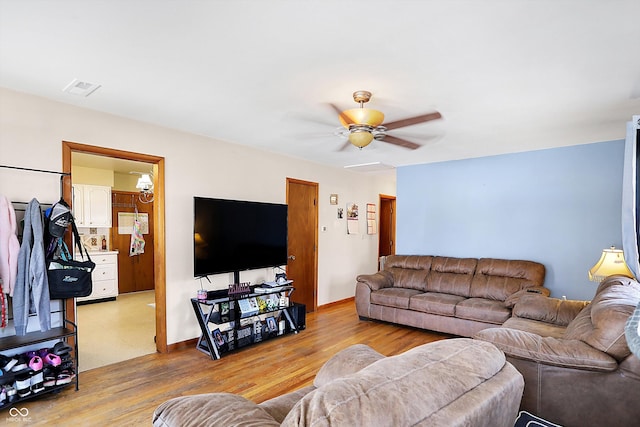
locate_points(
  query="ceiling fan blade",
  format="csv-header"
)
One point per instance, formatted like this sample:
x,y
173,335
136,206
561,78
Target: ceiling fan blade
x,y
400,142
412,120
342,115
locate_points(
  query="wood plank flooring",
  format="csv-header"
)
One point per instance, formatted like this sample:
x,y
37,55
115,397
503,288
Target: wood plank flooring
x,y
126,393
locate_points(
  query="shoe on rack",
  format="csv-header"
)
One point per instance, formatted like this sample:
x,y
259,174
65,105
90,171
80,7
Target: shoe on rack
x,y
65,377
49,376
12,395
37,382
21,365
67,364
23,385
52,359
7,363
61,348
36,364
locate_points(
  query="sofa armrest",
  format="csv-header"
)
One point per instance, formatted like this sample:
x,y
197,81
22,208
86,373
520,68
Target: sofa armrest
x,y
550,310
535,290
212,409
379,280
548,350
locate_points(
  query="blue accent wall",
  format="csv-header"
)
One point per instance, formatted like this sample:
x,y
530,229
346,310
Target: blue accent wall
x,y
559,207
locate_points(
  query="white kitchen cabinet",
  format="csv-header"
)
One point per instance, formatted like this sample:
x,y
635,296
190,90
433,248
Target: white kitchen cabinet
x,y
104,277
92,205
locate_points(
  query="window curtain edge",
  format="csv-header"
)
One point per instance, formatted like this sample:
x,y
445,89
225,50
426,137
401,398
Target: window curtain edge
x,y
629,198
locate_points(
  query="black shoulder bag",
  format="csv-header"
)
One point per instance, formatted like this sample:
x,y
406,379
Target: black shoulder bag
x,y
69,278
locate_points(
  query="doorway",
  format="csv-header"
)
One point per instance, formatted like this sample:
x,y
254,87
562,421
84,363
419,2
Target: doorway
x,y
387,236
158,225
302,241
135,273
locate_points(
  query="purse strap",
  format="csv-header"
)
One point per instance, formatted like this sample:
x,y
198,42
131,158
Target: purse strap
x,y
78,243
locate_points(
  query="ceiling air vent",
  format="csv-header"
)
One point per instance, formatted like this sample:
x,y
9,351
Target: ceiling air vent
x,y
76,87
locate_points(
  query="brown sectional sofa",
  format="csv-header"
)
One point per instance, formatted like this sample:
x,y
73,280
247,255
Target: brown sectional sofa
x,y
574,356
448,383
458,296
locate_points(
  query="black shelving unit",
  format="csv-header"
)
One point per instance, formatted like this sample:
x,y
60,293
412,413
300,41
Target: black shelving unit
x,y
234,334
14,342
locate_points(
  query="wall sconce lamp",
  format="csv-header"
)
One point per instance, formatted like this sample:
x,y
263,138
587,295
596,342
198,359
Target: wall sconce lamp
x,y
145,185
611,262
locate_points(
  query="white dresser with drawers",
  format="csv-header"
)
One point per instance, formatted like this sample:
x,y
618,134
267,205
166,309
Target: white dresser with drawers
x,y
104,276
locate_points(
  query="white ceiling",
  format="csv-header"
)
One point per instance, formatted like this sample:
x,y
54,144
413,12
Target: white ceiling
x,y
507,76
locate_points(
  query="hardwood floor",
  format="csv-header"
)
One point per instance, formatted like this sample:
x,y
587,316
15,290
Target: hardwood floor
x,y
126,393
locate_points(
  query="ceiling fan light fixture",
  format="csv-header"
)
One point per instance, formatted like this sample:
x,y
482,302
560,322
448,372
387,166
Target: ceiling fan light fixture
x,y
362,116
360,137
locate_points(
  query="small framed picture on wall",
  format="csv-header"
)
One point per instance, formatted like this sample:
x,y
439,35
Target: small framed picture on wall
x,y
333,199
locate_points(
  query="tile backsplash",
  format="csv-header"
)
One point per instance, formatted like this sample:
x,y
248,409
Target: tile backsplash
x,y
92,238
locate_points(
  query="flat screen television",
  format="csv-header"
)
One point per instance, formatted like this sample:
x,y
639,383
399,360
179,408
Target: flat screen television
x,y
235,235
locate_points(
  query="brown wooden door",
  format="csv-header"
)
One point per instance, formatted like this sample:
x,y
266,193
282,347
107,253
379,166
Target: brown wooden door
x,y
135,273
302,266
387,236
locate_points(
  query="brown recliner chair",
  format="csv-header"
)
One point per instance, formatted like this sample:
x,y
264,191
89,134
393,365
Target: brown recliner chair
x,y
574,356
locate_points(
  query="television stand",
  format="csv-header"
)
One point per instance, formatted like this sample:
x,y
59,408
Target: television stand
x,y
228,324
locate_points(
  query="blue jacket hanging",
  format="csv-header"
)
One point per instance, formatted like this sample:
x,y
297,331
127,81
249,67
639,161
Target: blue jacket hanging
x,y
31,292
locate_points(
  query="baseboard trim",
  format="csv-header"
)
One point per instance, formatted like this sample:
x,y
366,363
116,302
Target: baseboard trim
x,y
182,345
331,304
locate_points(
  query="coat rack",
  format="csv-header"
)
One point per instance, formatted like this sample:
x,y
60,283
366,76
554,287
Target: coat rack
x,y
62,174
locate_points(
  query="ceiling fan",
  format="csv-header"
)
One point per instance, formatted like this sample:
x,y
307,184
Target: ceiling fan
x,y
365,124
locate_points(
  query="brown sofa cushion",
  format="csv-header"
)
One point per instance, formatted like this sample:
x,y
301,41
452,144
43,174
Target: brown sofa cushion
x,y
497,279
601,323
393,297
548,350
279,406
346,362
223,409
483,310
409,271
551,310
535,326
420,381
411,262
451,275
435,303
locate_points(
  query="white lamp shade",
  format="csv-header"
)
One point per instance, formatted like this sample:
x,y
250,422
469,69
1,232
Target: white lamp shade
x,y
611,262
144,182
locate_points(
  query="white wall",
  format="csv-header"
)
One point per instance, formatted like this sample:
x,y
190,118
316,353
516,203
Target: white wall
x,y
31,131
